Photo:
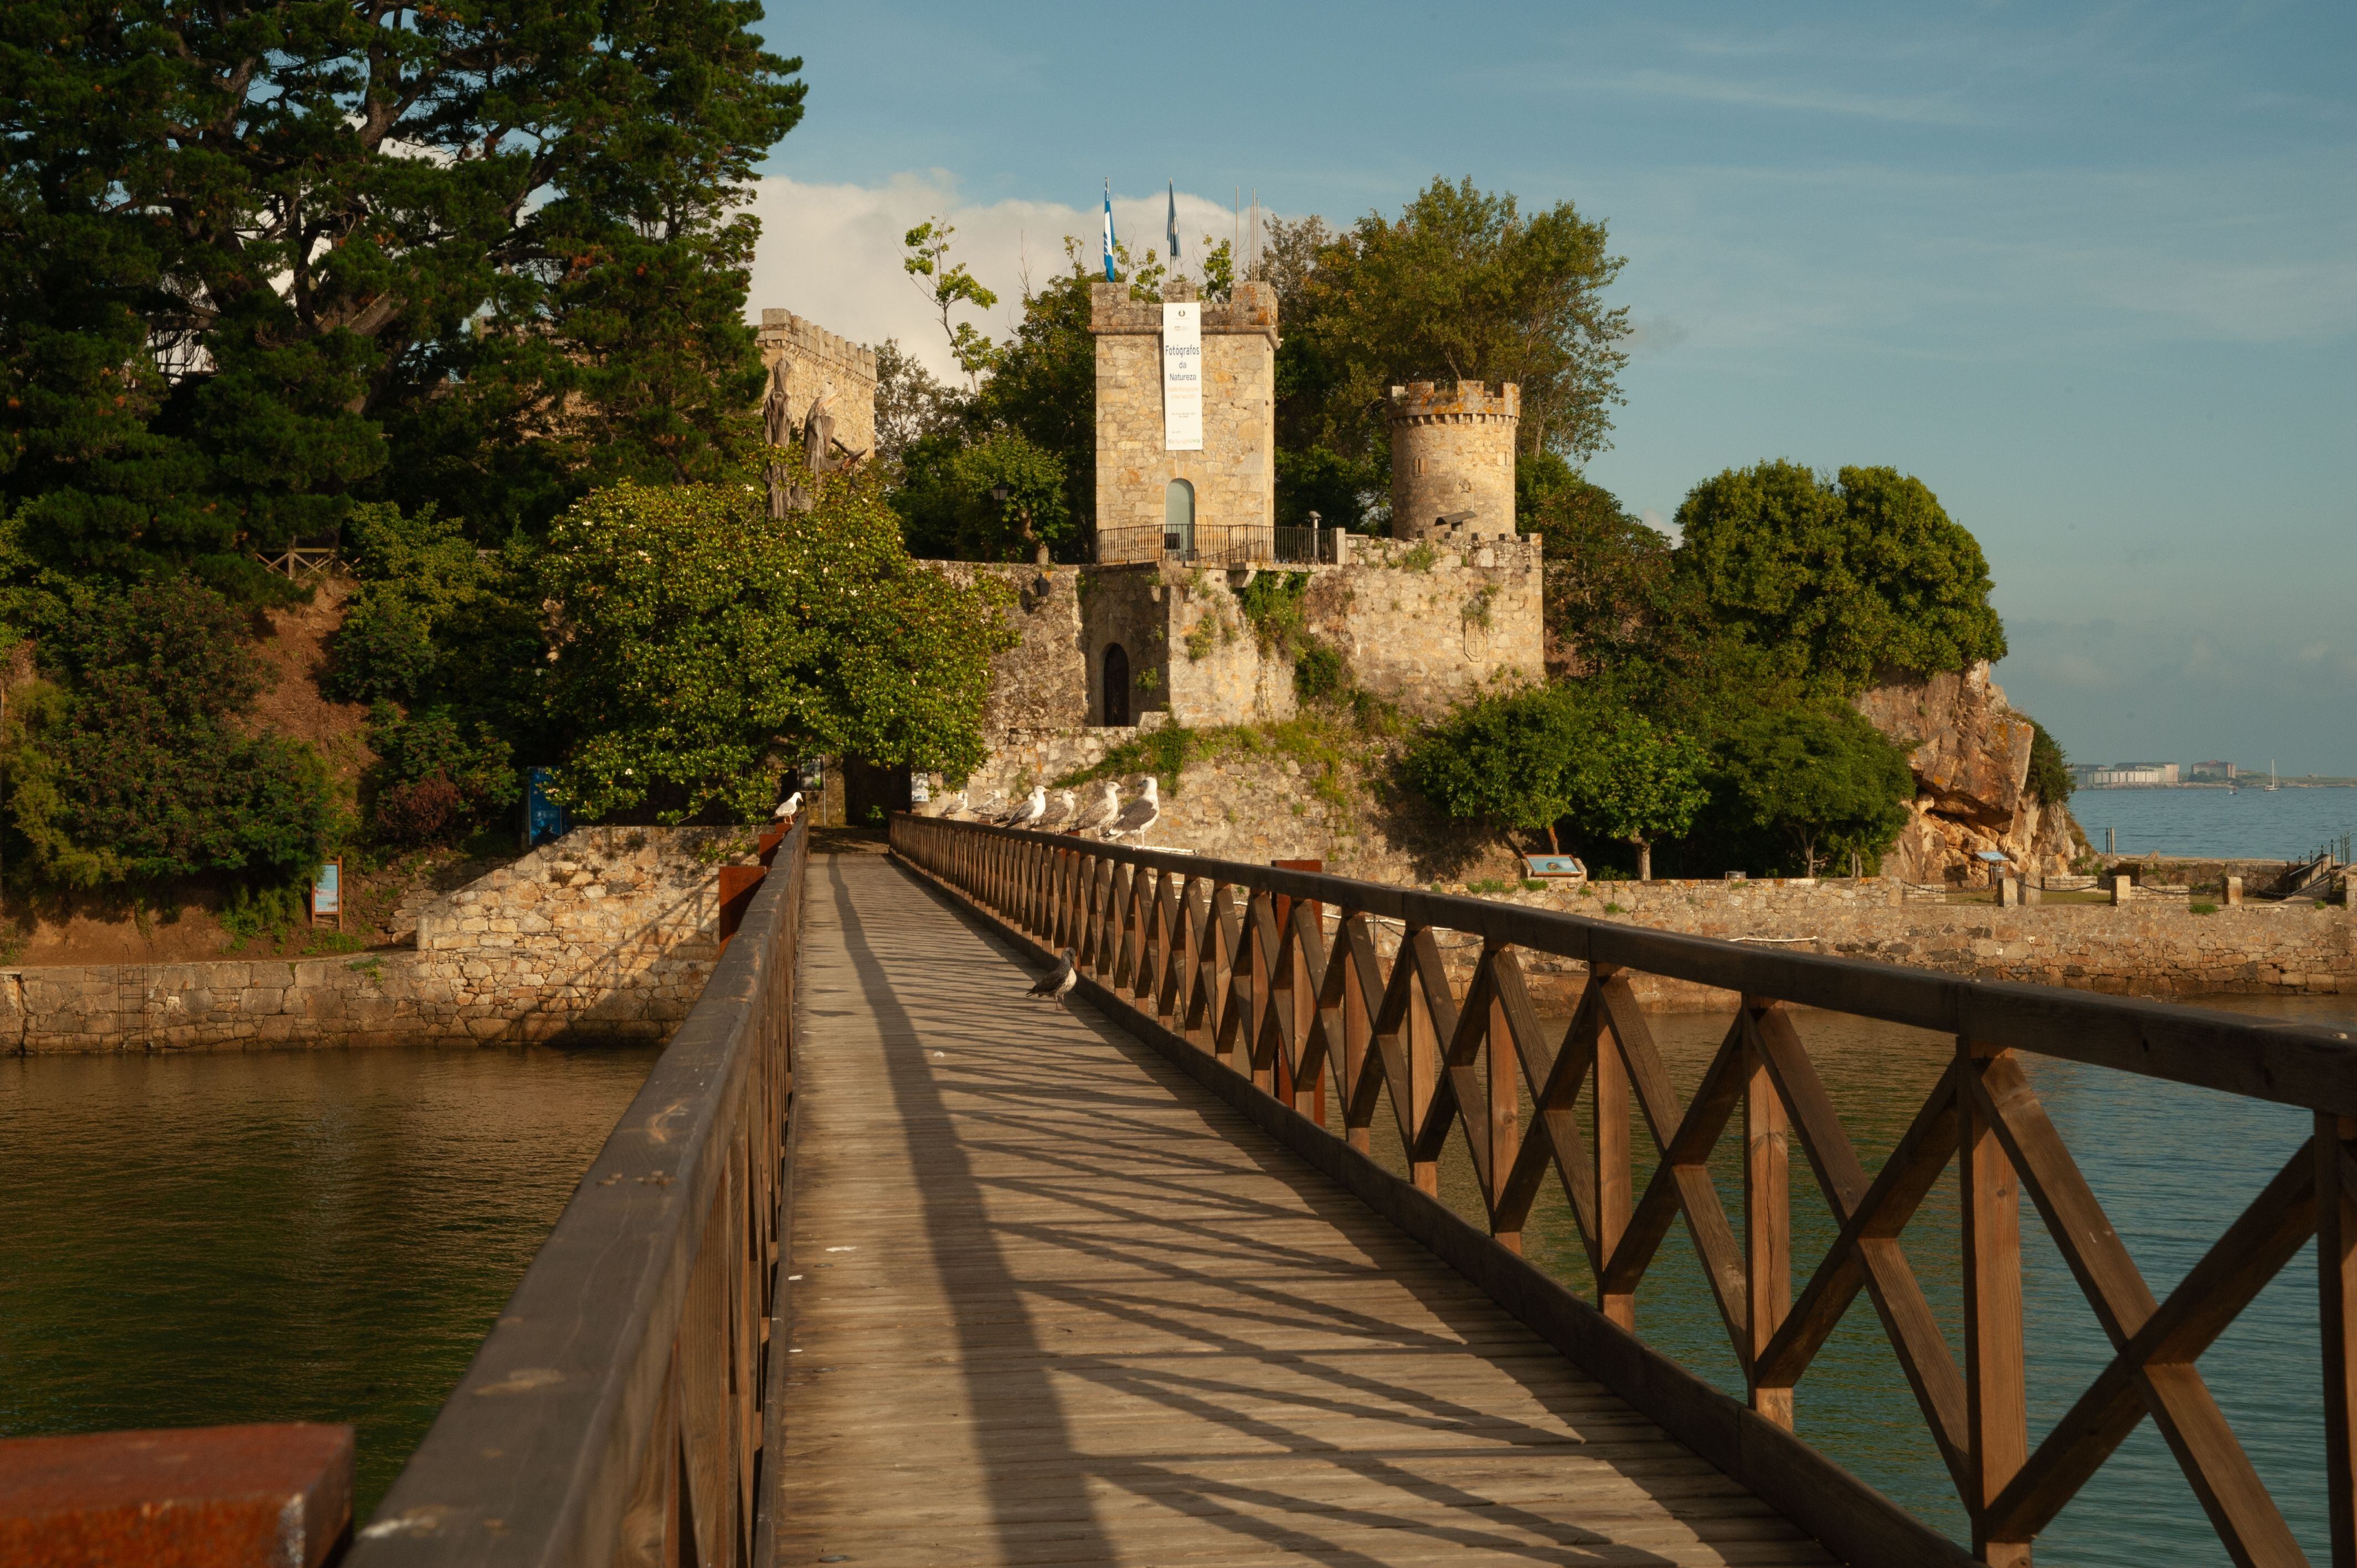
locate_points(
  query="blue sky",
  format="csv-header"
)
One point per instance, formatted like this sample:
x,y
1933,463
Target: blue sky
x,y
2090,271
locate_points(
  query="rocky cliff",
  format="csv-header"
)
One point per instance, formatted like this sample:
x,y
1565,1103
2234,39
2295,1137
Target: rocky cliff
x,y
1971,761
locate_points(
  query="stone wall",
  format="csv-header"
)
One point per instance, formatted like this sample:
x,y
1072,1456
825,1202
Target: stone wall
x,y
1429,624
1453,452
608,934
816,360
2155,949
1234,475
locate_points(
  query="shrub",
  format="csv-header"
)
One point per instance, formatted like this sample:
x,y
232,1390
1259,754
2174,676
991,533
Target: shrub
x,y
131,766
2049,783
436,774
1318,672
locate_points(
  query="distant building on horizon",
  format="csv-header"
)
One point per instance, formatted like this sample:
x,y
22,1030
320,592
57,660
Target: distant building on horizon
x,y
2212,772
2127,775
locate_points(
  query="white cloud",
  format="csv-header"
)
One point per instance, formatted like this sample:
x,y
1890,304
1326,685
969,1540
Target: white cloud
x,y
832,254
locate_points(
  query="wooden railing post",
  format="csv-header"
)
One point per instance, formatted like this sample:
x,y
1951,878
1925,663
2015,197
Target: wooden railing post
x,y
1503,1077
1258,918
1997,1413
1615,1179
1423,1041
1358,1034
1767,1225
2336,1262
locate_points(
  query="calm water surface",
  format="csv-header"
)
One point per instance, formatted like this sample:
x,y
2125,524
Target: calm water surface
x,y
2282,825
2173,1167
277,1236
327,1236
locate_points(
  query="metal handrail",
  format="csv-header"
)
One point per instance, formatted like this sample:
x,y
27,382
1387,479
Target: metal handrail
x,y
1265,981
1212,545
615,1412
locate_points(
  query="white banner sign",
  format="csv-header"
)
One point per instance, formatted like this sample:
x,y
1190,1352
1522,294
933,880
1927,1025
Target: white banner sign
x,y
1182,378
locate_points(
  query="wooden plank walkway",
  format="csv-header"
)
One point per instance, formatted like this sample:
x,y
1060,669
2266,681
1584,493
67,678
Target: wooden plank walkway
x,y
1058,1305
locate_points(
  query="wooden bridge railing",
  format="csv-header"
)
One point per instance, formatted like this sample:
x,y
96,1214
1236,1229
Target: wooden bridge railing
x,y
618,1411
1235,962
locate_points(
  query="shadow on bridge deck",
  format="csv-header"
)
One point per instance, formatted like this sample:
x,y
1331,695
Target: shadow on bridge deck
x,y
1057,1304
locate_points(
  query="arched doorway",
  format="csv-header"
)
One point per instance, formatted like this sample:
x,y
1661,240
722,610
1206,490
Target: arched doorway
x,y
1179,519
1116,684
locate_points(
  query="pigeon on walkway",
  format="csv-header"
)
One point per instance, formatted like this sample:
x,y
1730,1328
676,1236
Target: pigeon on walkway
x,y
1139,815
1029,811
1093,816
1059,812
1058,985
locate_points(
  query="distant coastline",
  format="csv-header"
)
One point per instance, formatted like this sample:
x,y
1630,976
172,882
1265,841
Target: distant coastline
x,y
2248,781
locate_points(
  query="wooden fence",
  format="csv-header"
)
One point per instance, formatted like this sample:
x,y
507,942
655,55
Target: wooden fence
x,y
1277,978
618,1411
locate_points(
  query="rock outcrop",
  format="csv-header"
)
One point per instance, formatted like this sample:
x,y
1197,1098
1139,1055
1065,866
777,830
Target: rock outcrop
x,y
1971,761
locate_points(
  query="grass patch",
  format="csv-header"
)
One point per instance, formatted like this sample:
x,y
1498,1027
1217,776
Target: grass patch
x,y
1422,558
2201,908
1328,743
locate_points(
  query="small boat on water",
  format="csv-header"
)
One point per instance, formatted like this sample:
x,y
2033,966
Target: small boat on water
x,y
2270,784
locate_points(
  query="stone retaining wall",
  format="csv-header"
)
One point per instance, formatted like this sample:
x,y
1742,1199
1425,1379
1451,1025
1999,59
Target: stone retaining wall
x,y
2159,948
608,934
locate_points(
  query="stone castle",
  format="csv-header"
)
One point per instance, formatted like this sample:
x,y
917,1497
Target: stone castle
x,y
1156,630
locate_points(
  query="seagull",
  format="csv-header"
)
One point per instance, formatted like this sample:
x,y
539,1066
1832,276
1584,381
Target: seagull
x,y
1030,810
1057,814
1139,815
1099,812
787,808
956,809
1058,985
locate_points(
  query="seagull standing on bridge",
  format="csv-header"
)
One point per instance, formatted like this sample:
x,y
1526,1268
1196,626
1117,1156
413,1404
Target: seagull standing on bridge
x,y
1097,813
1058,985
1058,813
788,809
1140,815
1029,811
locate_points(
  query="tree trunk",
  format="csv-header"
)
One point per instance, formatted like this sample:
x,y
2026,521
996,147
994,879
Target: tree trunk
x,y
1554,846
1644,859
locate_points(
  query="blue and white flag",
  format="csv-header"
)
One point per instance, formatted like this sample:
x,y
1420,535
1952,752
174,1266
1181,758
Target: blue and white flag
x,y
1110,276
1174,226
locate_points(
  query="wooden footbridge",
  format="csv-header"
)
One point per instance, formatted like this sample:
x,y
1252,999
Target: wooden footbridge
x,y
889,1264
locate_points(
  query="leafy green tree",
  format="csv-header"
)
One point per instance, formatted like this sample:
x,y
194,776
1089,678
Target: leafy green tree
x,y
1506,760
1822,778
695,646
1606,571
1834,582
996,498
258,259
1633,782
1462,285
947,284
911,405
131,763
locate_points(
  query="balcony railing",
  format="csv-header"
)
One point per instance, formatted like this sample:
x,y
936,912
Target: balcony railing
x,y
1215,544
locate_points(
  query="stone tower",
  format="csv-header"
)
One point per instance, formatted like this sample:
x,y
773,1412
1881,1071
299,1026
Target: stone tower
x,y
816,360
1453,458
1144,490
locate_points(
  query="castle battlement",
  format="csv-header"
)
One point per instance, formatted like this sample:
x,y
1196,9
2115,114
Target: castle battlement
x,y
815,359
1467,402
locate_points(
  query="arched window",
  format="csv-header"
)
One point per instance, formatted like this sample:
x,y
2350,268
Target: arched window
x,y
1179,519
1116,684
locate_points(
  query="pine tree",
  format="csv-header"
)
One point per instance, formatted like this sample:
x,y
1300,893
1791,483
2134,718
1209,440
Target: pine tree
x,y
259,259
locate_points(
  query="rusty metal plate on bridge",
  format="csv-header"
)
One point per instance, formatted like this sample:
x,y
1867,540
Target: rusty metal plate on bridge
x,y
207,1497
